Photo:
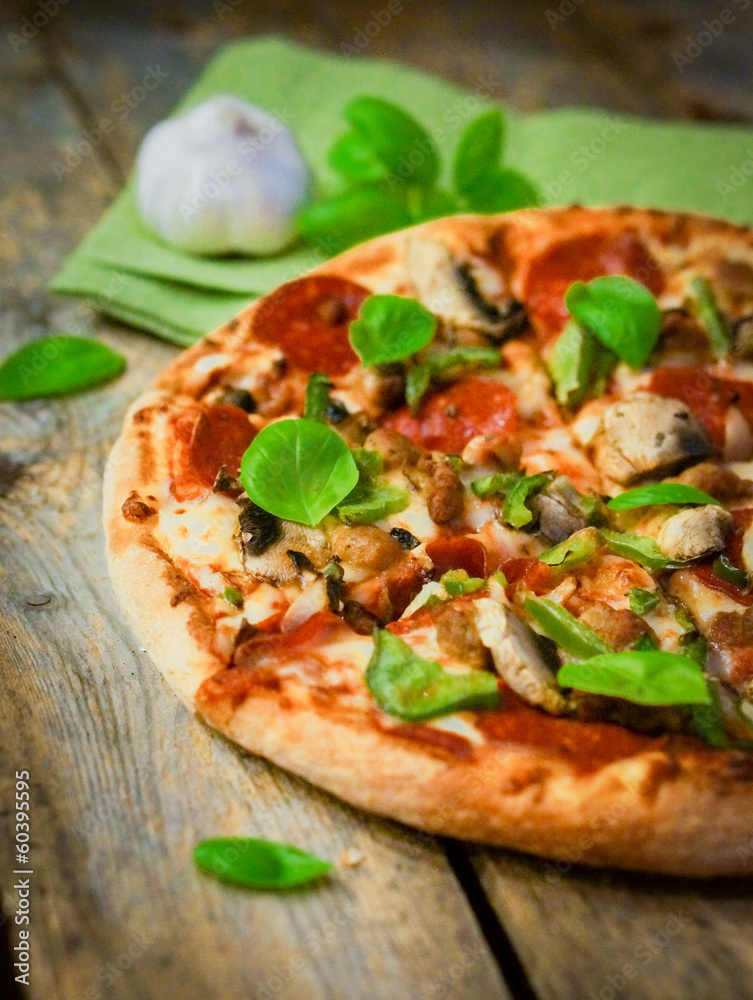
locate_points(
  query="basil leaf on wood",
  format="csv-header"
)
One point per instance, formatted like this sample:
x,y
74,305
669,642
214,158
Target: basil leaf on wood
x,y
579,365
620,312
341,220
298,470
708,312
390,328
409,687
645,496
650,677
564,629
258,864
478,152
396,140
419,378
58,366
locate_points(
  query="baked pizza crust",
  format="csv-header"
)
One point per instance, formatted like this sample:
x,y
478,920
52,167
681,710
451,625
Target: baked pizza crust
x,y
687,813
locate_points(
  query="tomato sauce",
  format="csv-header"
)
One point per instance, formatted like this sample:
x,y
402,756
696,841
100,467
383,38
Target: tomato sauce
x,y
582,258
308,320
206,438
448,420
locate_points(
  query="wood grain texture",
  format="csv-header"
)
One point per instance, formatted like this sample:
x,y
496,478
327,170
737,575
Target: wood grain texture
x,y
124,780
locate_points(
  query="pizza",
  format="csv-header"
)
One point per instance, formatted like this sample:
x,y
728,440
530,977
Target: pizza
x,y
459,527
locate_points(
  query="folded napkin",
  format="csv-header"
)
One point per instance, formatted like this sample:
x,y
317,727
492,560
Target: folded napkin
x,y
574,155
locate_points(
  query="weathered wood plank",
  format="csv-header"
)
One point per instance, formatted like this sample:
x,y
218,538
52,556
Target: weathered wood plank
x,y
124,781
596,934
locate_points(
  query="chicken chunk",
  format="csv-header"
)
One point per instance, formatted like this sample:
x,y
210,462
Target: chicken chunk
x,y
695,533
646,436
517,657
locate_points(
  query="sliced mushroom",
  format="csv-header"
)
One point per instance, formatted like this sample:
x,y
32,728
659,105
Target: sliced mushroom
x,y
468,294
559,509
647,436
695,533
266,542
517,657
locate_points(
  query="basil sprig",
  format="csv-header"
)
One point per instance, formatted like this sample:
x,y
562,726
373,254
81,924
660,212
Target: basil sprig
x,y
390,328
258,864
647,677
621,313
409,687
390,166
298,470
450,362
58,366
645,496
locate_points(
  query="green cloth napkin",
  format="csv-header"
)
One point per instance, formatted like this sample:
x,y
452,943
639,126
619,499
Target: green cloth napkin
x,y
575,155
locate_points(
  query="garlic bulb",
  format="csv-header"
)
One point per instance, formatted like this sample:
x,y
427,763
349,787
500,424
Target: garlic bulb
x,y
225,177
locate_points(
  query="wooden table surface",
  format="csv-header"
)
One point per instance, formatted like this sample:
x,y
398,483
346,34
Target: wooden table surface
x,y
123,780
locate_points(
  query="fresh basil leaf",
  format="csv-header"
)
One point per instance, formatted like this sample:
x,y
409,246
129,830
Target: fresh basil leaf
x,y
233,596
579,548
430,203
564,629
645,496
515,511
503,190
709,314
396,139
353,216
459,358
457,582
620,312
298,470
726,570
478,151
498,484
652,677
317,397
258,864
353,157
638,548
390,328
58,366
409,687
642,601
579,365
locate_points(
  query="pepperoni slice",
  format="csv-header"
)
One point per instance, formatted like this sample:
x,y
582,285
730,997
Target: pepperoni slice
x,y
582,258
207,436
708,396
448,420
458,552
308,320
532,573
